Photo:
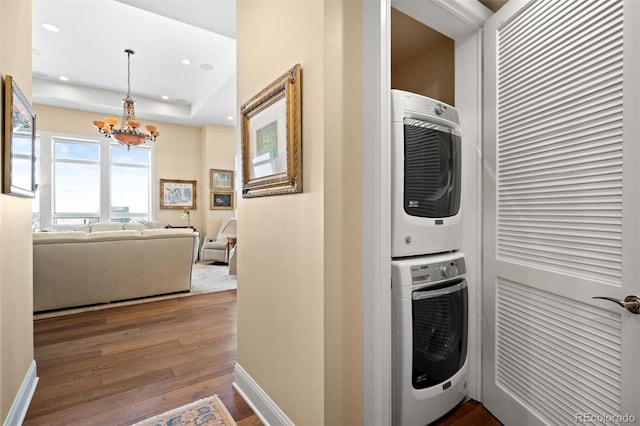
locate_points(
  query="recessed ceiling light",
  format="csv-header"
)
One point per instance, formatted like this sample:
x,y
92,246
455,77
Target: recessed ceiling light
x,y
51,27
186,62
63,78
230,117
206,67
165,97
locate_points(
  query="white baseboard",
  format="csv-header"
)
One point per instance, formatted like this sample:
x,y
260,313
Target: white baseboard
x,y
264,407
18,410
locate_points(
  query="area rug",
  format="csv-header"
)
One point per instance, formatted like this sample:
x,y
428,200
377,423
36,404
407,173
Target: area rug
x,y
207,411
207,278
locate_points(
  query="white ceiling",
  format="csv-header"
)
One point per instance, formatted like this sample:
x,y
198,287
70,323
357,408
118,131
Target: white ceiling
x,y
89,50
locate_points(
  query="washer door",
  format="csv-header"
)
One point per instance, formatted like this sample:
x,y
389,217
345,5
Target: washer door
x,y
439,319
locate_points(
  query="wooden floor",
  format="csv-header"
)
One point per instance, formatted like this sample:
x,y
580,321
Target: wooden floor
x,y
469,413
121,365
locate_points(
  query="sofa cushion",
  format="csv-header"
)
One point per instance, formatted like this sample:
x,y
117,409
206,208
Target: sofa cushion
x,y
113,235
134,226
151,224
56,237
64,227
214,245
106,226
167,231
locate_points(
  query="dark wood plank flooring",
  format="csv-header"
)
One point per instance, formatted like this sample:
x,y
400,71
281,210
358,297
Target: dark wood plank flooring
x,y
468,413
120,365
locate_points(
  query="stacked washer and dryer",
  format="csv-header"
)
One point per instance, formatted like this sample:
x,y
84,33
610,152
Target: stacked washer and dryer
x,y
428,272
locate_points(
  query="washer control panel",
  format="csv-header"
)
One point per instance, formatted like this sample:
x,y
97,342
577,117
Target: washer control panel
x,y
438,271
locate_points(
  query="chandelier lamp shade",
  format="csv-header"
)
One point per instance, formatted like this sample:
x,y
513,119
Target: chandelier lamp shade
x,y
127,131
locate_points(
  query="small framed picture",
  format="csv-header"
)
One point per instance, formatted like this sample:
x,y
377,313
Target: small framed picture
x,y
221,179
222,200
178,194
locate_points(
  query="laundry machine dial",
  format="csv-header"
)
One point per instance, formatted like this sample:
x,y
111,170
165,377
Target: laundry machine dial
x,y
449,271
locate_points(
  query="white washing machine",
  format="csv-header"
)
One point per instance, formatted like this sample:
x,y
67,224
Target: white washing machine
x,y
430,326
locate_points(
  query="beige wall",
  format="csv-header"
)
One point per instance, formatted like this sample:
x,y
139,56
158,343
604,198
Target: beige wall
x,y
343,213
299,283
16,256
178,155
280,258
218,152
429,74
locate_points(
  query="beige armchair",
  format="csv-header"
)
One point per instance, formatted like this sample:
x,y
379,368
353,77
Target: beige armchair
x,y
216,249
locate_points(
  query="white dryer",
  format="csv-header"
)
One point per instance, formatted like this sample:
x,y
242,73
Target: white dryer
x,y
426,176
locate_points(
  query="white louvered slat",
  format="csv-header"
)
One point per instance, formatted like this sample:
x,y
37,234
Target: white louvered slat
x,y
559,147
546,41
546,344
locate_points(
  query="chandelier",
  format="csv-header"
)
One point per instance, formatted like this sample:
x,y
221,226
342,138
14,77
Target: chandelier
x,y
128,132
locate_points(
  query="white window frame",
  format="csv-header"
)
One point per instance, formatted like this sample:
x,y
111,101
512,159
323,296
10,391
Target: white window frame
x,y
46,182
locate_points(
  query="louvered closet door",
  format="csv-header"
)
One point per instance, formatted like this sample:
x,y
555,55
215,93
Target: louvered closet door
x,y
561,211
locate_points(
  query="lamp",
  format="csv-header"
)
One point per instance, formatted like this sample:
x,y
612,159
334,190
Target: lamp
x,y
128,132
186,215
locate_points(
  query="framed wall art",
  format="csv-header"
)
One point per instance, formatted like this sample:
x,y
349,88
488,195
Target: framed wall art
x,y
222,200
19,142
221,179
271,126
178,194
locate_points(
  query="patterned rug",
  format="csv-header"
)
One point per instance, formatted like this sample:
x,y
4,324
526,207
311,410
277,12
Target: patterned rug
x,y
207,411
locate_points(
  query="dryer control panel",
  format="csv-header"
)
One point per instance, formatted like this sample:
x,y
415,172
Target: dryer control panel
x,y
439,271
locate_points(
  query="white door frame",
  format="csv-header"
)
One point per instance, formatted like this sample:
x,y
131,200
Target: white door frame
x,y
376,212
461,21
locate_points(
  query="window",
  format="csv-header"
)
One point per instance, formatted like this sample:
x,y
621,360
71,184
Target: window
x,y
88,181
130,183
76,181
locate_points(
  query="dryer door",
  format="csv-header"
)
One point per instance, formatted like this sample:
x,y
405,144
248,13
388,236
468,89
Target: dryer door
x,y
431,170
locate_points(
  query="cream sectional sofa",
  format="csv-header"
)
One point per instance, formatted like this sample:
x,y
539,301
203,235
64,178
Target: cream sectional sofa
x,y
109,263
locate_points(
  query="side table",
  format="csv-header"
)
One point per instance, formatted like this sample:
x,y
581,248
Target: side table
x,y
231,254
231,243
